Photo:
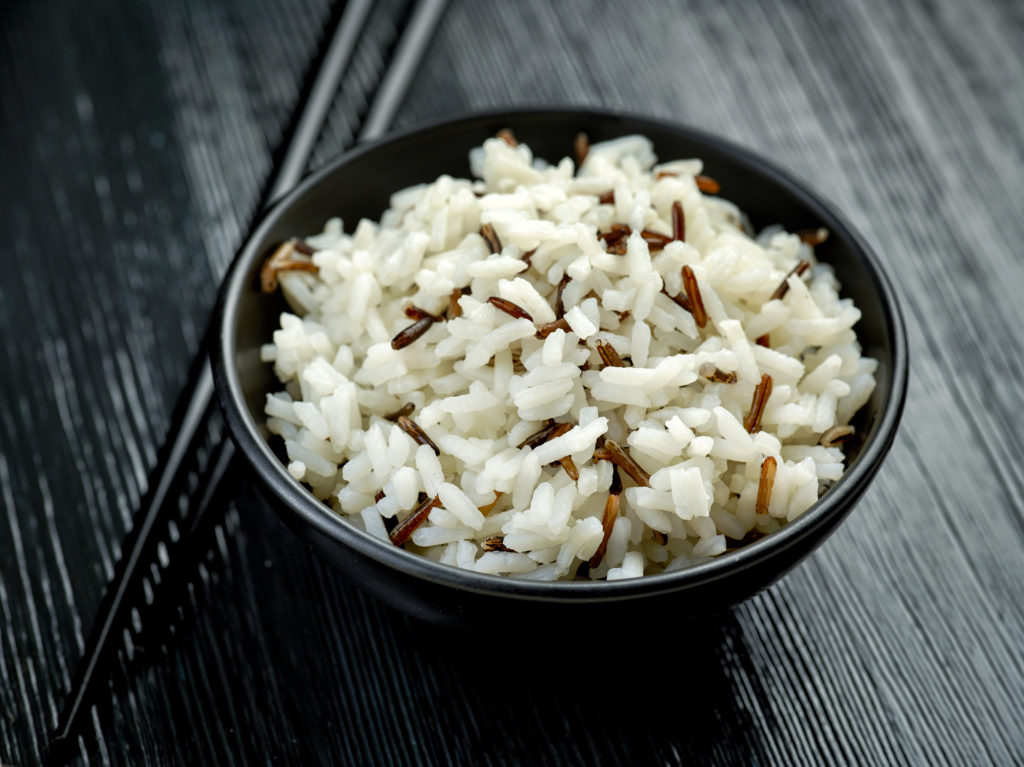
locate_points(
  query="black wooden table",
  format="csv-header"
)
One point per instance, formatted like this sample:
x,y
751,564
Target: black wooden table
x,y
136,137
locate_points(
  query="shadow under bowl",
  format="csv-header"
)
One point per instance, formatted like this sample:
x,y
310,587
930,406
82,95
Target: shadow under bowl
x,y
359,184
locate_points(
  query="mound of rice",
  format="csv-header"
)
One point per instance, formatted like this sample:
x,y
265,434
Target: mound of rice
x,y
594,259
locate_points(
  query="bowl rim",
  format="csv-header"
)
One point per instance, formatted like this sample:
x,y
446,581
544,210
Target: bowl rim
x,y
309,511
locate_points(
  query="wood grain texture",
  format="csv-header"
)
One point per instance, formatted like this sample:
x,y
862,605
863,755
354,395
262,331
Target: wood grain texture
x,y
135,140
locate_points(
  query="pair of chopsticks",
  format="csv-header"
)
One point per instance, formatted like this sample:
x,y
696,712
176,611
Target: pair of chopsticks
x,y
158,507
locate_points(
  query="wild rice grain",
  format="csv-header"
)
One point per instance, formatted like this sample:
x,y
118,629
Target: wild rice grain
x,y
746,540
655,240
700,316
680,300
559,305
543,331
712,373
566,462
615,233
761,394
813,236
454,310
611,513
495,543
783,289
488,233
559,430
303,247
836,435
510,308
707,185
416,313
506,135
407,335
570,468
611,451
404,529
678,222
487,508
539,438
404,410
282,260
618,248
411,428
765,485
608,354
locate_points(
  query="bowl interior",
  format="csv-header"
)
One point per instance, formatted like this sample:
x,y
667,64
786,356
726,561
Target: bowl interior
x,y
360,184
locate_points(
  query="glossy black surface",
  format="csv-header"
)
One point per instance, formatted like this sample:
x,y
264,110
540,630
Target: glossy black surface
x,y
358,185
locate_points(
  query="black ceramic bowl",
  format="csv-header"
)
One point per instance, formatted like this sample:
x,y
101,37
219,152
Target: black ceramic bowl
x,y
358,184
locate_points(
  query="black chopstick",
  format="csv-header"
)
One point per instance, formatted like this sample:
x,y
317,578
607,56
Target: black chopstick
x,y
316,105
406,58
195,402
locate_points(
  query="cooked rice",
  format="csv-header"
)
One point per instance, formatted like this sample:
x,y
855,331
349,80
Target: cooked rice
x,y
481,381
